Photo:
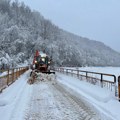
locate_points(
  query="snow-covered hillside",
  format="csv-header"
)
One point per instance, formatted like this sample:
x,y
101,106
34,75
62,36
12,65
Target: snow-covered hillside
x,y
48,100
23,31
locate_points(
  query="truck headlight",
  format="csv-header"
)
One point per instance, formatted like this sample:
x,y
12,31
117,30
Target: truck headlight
x,y
35,62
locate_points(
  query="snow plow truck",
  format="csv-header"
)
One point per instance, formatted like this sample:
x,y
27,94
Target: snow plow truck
x,y
42,62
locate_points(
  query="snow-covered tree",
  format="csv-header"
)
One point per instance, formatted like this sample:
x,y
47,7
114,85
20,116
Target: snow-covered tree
x,y
23,31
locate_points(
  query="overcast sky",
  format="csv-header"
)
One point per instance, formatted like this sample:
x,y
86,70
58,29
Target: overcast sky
x,y
95,19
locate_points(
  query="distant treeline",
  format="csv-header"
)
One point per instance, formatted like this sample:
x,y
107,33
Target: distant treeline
x,y
23,31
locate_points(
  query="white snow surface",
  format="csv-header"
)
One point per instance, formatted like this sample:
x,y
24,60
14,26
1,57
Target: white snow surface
x,y
15,99
3,73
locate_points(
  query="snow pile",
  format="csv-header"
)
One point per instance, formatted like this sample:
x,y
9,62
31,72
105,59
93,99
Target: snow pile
x,y
45,77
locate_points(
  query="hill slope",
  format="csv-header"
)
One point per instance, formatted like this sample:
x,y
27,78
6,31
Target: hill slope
x,y
23,31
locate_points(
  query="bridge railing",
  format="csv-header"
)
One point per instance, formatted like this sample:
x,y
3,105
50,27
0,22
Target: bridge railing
x,y
9,76
102,79
119,88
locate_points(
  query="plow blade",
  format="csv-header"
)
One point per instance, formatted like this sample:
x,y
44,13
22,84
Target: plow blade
x,y
49,72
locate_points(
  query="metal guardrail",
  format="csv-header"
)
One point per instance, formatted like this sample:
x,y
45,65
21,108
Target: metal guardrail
x,y
119,88
10,76
102,79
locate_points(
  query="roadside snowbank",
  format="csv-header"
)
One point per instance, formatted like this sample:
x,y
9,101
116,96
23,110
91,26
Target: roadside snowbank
x,y
14,99
101,98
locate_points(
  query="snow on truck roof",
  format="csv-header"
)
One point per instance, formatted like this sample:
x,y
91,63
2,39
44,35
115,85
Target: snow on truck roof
x,y
42,54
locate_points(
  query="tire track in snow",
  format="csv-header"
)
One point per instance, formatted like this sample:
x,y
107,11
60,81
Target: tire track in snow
x,y
85,110
51,102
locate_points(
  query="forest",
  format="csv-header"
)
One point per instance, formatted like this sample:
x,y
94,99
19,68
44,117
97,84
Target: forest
x,y
23,31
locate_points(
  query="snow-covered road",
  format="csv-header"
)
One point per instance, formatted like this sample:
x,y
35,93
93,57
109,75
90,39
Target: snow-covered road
x,y
65,98
51,102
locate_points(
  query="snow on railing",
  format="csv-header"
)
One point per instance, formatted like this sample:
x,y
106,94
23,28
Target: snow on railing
x,y
102,79
9,76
